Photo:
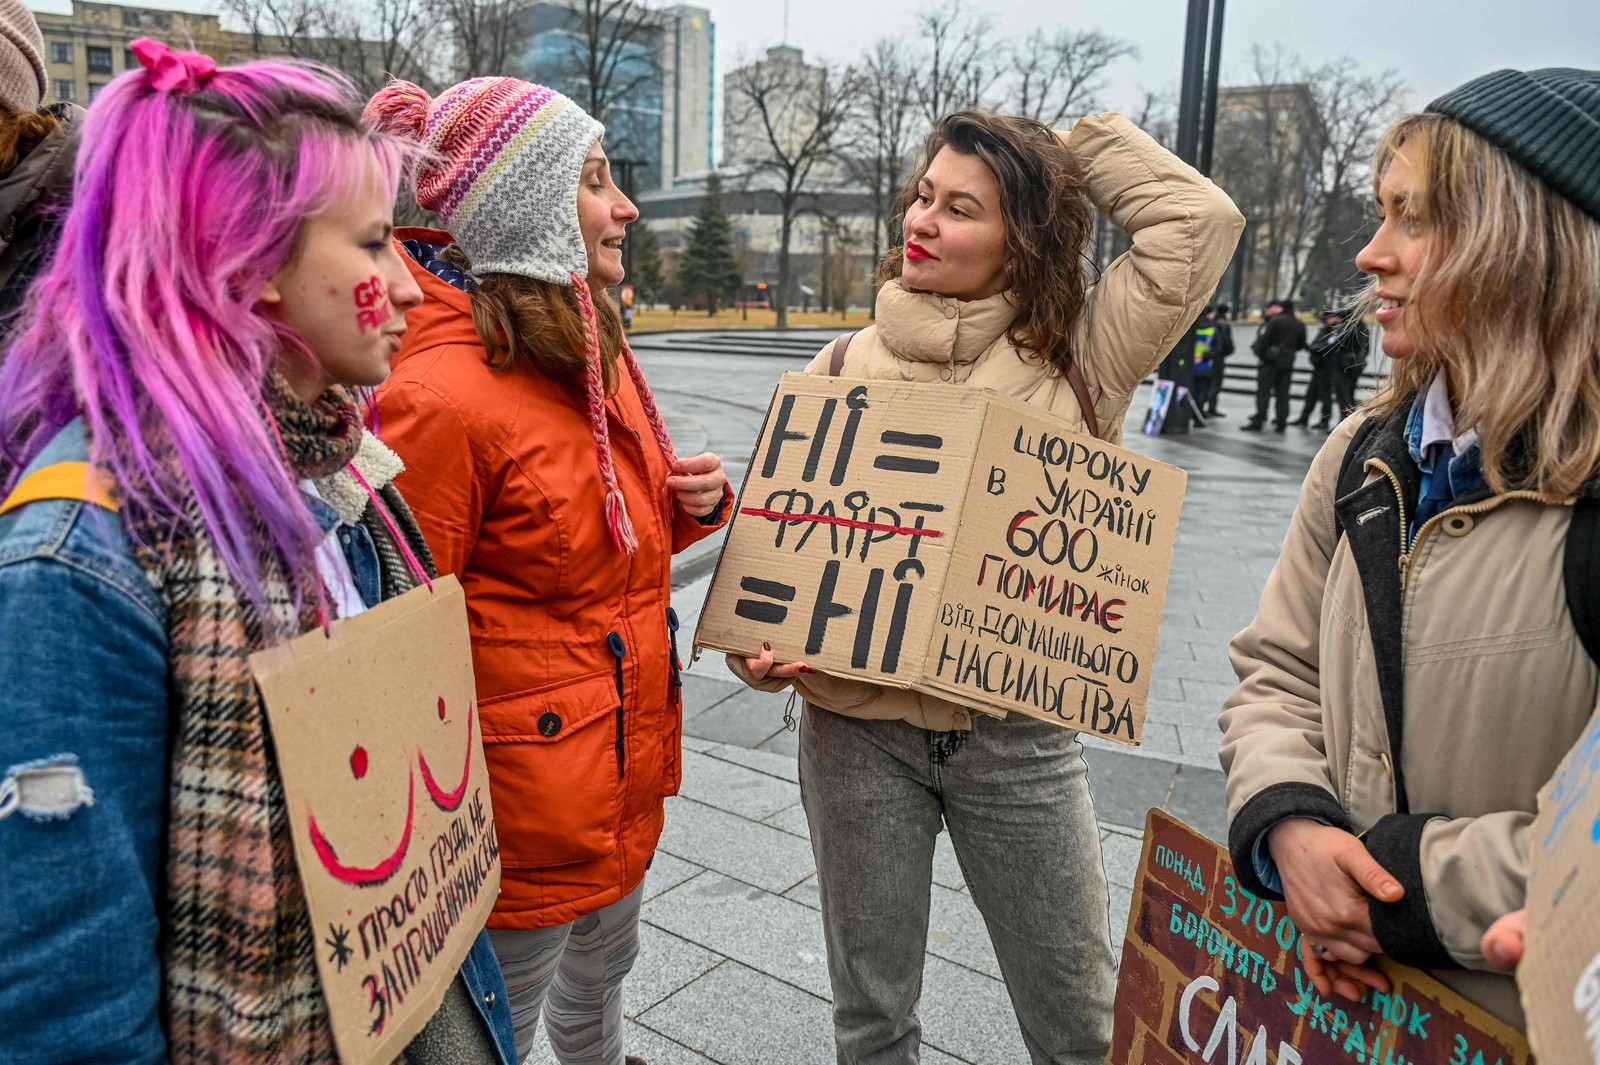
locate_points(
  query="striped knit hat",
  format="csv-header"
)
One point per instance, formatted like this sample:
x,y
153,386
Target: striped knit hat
x,y
505,158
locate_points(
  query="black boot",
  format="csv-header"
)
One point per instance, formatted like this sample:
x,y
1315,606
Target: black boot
x,y
1254,425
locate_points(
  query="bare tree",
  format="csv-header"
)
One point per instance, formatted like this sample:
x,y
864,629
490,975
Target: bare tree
x,y
1267,135
611,56
485,33
611,53
1061,75
795,116
368,40
885,126
961,70
1354,109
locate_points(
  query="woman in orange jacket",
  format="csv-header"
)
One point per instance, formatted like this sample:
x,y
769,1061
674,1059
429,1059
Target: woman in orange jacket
x,y
543,477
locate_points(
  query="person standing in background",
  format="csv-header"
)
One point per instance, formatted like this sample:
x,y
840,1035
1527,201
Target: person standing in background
x,y
1280,337
1221,347
38,146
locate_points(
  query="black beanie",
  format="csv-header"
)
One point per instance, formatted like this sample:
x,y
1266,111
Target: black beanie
x,y
1547,120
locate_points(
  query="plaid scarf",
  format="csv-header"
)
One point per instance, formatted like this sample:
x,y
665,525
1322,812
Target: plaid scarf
x,y
240,977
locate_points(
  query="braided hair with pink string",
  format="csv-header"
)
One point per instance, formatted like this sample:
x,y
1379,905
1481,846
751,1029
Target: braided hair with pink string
x,y
617,519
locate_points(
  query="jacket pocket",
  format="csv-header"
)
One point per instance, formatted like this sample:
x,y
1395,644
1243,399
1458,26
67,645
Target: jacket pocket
x,y
553,772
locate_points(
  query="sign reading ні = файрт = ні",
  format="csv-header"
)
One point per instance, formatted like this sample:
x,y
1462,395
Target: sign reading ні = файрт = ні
x,y
952,541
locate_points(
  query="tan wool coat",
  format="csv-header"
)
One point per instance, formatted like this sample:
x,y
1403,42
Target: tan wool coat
x,y
1184,230
1496,687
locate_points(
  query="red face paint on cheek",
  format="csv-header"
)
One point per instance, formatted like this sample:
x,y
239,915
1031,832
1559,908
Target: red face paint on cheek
x,y
372,304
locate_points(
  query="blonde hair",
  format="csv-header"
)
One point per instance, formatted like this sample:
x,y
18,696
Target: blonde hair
x,y
1507,300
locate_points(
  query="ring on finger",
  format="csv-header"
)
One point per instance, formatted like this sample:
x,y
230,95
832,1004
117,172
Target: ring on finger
x,y
1319,950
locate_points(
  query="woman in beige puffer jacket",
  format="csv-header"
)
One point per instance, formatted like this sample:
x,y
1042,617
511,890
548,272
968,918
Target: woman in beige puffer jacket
x,y
990,292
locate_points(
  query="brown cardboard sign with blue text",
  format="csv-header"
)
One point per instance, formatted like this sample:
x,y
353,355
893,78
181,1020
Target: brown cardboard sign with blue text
x,y
952,541
376,730
1560,975
1212,973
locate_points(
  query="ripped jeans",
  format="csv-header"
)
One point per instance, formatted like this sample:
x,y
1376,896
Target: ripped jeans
x,y
1014,795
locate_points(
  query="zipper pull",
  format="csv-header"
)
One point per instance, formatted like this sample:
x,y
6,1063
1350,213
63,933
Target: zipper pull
x,y
672,635
619,650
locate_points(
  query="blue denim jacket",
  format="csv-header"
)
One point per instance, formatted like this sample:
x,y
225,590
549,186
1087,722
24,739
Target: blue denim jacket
x,y
83,753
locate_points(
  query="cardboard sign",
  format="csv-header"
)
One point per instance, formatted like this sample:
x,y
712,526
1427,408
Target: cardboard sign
x,y
952,541
1211,973
377,735
1560,973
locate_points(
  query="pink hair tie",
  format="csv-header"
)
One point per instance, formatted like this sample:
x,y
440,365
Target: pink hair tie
x,y
169,71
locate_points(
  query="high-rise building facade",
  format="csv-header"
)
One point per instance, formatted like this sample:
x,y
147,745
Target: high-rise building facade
x,y
659,74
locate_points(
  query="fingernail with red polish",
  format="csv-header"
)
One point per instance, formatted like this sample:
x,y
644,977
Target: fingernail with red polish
x,y
766,647
807,669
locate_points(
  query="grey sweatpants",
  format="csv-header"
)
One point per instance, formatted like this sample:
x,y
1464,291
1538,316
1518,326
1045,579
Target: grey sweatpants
x,y
1014,794
572,975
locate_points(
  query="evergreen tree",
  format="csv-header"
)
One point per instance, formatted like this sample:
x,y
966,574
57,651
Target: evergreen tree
x,y
708,266
647,281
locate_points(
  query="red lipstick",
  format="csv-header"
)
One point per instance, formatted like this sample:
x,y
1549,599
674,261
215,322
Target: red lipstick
x,y
916,252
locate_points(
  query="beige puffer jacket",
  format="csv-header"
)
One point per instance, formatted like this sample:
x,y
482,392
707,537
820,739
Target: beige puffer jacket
x,y
1491,687
1184,230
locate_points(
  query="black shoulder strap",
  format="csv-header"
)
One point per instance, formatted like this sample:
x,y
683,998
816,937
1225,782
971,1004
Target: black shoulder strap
x,y
1351,472
1580,571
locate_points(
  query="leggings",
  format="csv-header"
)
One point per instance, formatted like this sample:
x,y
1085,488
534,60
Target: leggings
x,y
572,976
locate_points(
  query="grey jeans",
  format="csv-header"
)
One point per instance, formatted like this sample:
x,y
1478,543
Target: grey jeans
x,y
1015,797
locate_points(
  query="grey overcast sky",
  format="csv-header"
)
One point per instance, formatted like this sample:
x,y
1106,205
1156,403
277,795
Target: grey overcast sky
x,y
1434,44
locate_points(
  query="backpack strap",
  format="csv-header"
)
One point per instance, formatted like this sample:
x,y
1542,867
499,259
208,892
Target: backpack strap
x,y
1080,388
1351,472
836,361
63,480
1580,571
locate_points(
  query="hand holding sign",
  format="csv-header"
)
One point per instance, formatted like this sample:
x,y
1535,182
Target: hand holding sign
x,y
761,667
1327,877
1503,943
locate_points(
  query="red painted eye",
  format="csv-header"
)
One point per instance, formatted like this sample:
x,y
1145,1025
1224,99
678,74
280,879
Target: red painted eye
x,y
358,762
441,708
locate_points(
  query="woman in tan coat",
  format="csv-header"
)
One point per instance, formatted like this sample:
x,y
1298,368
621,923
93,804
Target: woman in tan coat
x,y
1417,671
991,291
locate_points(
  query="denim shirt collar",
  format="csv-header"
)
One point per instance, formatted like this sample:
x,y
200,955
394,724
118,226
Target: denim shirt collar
x,y
324,515
1430,424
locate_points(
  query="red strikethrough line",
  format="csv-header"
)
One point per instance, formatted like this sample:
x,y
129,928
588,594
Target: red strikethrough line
x,y
849,523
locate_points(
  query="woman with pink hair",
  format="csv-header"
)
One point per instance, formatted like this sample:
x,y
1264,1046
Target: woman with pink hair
x,y
188,481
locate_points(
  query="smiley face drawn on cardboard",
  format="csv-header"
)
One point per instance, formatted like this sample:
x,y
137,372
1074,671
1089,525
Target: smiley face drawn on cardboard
x,y
447,800
398,878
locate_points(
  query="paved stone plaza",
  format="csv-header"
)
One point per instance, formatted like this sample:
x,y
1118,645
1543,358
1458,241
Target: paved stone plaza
x,y
732,967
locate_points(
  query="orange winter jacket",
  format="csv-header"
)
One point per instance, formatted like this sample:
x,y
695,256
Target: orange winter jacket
x,y
576,669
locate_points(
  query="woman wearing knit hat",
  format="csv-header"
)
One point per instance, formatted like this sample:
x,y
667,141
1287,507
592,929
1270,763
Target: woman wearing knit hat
x,y
1425,652
544,479
186,481
37,149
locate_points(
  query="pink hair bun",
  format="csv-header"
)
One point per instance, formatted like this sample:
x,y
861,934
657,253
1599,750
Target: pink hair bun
x,y
400,109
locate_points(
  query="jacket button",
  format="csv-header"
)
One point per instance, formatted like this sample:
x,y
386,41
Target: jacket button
x,y
949,312
549,724
1458,524
946,373
488,1000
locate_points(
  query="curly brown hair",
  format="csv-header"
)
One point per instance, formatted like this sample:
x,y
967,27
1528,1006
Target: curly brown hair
x,y
1048,218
